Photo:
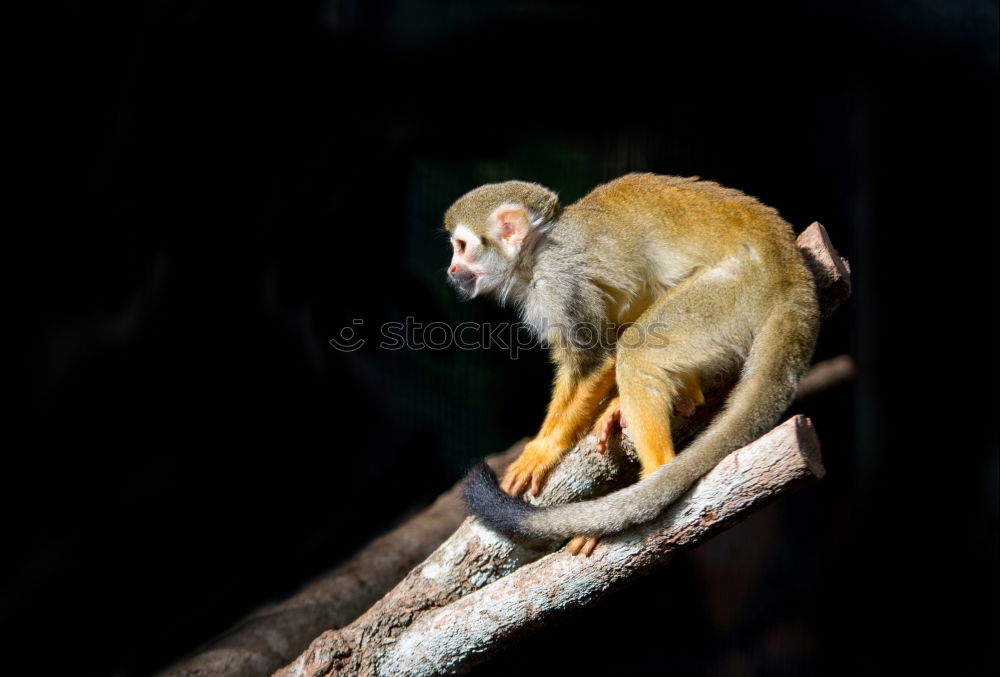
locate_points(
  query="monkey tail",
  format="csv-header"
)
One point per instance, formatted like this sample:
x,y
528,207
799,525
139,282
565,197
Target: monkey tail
x,y
779,354
497,509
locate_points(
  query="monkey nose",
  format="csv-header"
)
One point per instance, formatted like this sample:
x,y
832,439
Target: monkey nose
x,y
453,269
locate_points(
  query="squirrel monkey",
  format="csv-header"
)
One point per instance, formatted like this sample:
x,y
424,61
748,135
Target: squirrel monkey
x,y
694,280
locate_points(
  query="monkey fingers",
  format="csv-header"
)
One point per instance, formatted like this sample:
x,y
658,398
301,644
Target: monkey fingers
x,y
531,468
582,544
514,483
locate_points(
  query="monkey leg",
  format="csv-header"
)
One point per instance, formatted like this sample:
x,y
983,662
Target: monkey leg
x,y
654,380
647,397
687,395
572,409
695,329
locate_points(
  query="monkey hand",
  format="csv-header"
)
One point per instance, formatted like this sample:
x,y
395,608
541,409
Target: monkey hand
x,y
608,424
582,544
531,467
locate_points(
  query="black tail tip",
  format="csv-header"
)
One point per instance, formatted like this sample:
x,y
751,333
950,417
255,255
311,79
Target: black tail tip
x,y
481,489
486,500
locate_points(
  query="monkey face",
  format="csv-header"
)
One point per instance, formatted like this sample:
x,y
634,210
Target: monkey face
x,y
475,267
488,228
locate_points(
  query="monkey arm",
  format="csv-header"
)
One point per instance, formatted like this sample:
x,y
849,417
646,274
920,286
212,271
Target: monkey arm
x,y
574,406
575,402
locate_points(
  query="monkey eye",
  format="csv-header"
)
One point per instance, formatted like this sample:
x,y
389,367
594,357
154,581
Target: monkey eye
x,y
461,246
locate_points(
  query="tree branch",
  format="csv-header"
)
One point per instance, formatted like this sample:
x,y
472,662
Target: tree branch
x,y
825,375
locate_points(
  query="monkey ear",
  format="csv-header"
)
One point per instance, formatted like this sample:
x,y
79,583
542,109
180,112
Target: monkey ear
x,y
511,226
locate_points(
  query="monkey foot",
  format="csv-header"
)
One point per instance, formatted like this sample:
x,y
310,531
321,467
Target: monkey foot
x,y
530,469
582,544
684,407
690,396
607,426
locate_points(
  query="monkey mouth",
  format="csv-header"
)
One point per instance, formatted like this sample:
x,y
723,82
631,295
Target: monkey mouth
x,y
465,285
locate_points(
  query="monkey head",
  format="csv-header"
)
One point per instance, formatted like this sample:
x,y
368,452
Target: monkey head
x,y
491,227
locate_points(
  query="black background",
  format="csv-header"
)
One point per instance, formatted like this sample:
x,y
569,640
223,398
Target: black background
x,y
211,191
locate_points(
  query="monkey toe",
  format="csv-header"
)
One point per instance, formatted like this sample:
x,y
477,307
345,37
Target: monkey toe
x,y
582,545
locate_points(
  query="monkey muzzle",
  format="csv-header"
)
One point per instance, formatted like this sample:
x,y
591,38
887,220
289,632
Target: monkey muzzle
x,y
462,279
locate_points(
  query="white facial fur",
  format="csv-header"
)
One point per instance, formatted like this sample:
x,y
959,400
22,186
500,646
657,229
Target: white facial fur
x,y
466,248
472,243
